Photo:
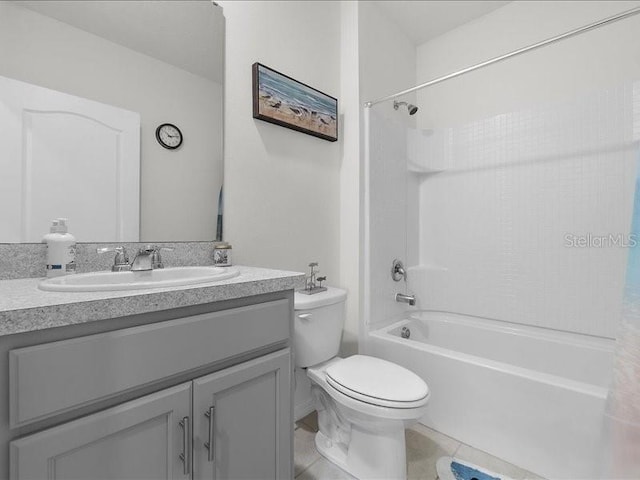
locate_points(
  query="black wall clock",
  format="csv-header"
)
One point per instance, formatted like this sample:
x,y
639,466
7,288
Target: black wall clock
x,y
169,136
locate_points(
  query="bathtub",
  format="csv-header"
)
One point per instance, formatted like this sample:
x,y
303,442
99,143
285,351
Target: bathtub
x,y
534,397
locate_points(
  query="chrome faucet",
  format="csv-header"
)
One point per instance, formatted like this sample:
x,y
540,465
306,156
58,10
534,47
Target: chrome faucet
x,y
142,260
148,258
402,298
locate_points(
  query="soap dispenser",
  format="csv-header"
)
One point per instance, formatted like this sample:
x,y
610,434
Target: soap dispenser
x,y
61,249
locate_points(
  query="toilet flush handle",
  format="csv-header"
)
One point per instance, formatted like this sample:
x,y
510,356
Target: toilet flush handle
x,y
305,316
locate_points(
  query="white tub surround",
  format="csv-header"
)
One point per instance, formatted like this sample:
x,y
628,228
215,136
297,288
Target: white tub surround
x,y
505,388
521,216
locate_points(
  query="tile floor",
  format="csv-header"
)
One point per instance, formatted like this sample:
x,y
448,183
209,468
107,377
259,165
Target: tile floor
x,y
424,447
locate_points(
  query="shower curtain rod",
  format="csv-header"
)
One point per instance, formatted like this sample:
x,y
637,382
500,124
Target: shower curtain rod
x,y
549,41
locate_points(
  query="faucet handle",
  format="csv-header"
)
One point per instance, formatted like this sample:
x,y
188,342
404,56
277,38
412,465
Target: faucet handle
x,y
148,248
398,272
156,258
121,260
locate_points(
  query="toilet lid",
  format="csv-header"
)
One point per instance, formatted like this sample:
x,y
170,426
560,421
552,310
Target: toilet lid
x,y
378,382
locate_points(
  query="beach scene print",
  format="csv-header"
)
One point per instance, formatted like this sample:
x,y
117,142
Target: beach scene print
x,y
292,104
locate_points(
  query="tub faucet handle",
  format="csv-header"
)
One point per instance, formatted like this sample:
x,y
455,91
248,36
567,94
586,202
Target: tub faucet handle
x,y
397,271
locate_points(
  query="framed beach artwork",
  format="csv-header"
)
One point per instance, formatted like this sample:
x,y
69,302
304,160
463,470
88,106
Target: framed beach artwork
x,y
284,101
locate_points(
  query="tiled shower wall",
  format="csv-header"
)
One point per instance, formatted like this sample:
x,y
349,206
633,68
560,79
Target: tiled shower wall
x,y
505,201
485,213
387,222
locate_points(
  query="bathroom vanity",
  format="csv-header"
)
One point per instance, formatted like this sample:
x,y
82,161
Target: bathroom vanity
x,y
184,382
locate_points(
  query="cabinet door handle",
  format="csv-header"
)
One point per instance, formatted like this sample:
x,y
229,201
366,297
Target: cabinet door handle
x,y
186,439
211,415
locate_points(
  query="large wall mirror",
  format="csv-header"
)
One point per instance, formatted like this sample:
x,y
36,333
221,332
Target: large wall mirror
x,y
84,87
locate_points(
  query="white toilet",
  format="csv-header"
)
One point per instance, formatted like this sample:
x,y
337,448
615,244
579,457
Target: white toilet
x,y
364,403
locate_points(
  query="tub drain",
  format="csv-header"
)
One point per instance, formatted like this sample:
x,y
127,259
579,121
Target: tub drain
x,y
405,332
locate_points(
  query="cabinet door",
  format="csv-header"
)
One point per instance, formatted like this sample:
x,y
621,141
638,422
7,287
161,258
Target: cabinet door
x,y
141,439
244,415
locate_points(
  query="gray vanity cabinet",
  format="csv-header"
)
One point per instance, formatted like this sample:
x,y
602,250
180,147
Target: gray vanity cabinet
x,y
135,440
243,411
196,396
242,427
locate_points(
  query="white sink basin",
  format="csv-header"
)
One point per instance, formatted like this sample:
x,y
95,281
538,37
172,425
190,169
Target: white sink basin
x,y
109,281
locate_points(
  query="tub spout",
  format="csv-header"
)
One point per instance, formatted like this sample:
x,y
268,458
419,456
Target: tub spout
x,y
410,299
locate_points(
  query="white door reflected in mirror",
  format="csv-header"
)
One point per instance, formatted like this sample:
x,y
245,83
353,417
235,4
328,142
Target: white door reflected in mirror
x,y
67,156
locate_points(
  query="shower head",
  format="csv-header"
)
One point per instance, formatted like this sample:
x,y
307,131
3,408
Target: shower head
x,y
412,108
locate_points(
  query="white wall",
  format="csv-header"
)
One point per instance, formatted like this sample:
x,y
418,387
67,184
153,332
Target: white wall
x,y
387,56
598,58
350,218
179,189
282,187
497,226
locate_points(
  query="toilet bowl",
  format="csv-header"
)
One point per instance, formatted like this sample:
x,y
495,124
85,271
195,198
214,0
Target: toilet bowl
x,y
364,403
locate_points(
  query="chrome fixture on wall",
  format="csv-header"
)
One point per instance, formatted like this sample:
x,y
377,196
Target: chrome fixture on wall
x,y
402,298
412,108
398,272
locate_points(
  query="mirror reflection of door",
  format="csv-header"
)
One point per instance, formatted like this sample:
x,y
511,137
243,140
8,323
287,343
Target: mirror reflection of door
x,y
66,156
111,53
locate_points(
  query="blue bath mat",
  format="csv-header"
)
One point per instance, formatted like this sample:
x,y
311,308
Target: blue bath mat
x,y
465,472
451,469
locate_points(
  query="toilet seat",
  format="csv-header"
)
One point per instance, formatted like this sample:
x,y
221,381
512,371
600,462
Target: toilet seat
x,y
377,382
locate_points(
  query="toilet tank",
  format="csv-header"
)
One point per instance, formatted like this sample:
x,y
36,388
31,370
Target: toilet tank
x,y
318,323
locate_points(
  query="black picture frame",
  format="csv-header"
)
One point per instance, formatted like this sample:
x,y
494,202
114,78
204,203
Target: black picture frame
x,y
284,101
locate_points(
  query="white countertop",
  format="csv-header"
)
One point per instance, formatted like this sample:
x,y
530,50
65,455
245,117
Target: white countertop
x,y
25,308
